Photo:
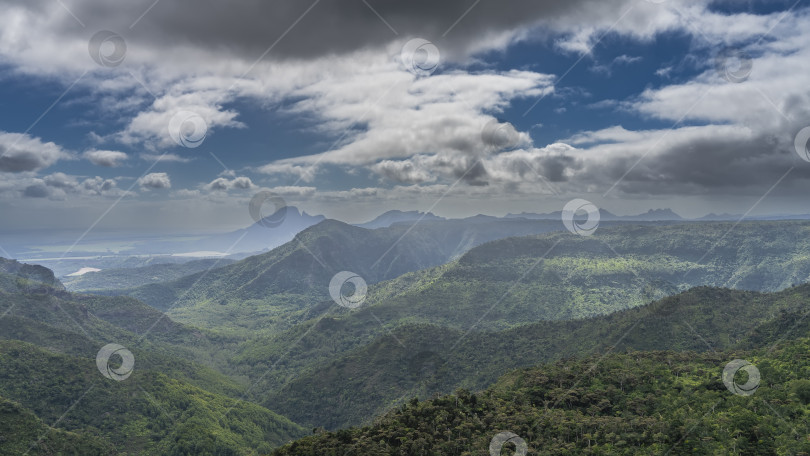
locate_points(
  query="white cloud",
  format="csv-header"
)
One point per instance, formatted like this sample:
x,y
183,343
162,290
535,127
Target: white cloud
x,y
420,134
152,127
222,184
60,186
155,181
404,117
106,158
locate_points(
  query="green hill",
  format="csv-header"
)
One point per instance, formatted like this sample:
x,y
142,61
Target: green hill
x,y
21,274
49,340
149,412
629,403
513,281
503,286
273,334
560,276
420,360
21,432
275,290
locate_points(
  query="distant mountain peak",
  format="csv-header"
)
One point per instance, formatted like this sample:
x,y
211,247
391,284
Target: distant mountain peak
x,y
393,216
285,215
650,215
655,214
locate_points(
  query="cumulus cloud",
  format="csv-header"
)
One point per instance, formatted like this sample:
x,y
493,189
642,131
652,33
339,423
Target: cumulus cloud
x,y
199,58
59,186
338,71
155,181
223,184
20,152
201,110
305,173
106,158
443,114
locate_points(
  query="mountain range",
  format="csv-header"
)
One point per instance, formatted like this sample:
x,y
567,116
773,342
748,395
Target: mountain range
x,y
450,304
279,301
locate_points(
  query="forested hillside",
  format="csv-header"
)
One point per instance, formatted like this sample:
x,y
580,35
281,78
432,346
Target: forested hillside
x,y
628,403
421,360
275,290
50,342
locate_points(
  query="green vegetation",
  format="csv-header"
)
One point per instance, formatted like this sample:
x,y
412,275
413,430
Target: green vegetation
x,y
561,276
304,351
629,403
169,405
276,290
267,331
421,360
147,413
21,431
555,276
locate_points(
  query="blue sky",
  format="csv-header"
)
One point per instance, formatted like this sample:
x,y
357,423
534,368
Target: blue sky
x,y
628,105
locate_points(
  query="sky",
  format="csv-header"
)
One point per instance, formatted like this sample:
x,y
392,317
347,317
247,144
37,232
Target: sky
x,y
169,116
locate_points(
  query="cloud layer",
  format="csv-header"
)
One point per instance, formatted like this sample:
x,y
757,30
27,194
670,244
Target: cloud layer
x,y
336,68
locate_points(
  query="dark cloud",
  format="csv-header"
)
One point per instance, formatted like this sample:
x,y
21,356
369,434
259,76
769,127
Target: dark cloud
x,y
249,27
710,166
21,152
557,168
36,191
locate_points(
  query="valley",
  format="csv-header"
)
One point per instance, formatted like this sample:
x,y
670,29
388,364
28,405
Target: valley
x,y
437,319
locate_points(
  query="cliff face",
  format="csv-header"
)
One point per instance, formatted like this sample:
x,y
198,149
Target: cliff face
x,y
32,272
